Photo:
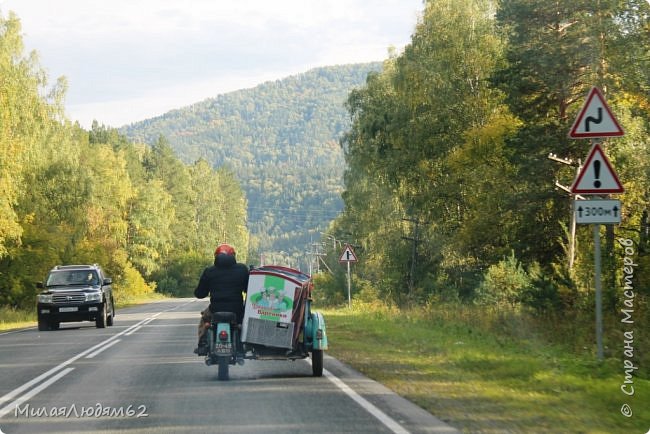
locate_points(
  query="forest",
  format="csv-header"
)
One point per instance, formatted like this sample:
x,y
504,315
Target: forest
x,y
450,194
74,196
281,139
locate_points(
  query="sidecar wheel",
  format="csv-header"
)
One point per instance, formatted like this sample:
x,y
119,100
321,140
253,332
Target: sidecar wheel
x,y
317,363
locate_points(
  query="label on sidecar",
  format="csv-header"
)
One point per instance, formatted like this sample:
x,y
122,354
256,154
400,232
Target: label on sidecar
x,y
269,298
222,348
275,301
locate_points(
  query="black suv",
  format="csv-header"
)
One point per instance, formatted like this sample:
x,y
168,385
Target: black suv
x,y
75,293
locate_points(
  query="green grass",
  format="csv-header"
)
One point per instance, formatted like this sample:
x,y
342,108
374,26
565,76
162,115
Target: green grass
x,y
482,381
16,318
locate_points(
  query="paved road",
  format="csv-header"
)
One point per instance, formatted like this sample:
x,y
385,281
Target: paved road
x,y
140,376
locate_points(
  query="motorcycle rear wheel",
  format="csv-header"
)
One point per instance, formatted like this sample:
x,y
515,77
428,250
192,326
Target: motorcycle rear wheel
x,y
223,363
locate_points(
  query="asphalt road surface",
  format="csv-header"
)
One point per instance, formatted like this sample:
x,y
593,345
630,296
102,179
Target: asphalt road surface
x,y
140,376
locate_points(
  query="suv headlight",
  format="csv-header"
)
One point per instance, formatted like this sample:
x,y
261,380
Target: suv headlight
x,y
94,296
45,298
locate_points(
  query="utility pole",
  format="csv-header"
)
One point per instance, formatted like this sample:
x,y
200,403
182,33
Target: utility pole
x,y
572,229
335,243
415,239
316,254
320,258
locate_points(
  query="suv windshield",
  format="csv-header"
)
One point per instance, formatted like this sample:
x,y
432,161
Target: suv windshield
x,y
72,277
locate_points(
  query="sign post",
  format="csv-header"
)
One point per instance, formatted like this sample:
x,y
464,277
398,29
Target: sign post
x,y
599,294
346,257
596,121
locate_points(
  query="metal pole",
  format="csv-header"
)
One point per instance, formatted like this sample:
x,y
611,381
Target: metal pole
x,y
349,295
599,295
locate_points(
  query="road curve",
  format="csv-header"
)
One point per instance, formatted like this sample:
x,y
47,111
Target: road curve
x,y
140,376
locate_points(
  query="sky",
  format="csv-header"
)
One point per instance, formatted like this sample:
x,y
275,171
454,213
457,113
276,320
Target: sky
x,y
129,60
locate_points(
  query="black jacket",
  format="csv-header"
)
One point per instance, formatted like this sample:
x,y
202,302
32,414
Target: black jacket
x,y
224,281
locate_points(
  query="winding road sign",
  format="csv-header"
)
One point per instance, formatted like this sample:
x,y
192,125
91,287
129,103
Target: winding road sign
x,y
595,119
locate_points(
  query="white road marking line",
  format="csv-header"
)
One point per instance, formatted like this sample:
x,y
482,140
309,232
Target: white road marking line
x,y
105,347
96,348
187,324
388,421
33,392
60,366
131,331
141,324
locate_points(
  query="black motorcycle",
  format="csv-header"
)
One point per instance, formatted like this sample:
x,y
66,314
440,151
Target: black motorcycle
x,y
224,344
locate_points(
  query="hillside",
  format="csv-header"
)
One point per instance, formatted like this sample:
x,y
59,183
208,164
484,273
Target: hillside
x,y
281,139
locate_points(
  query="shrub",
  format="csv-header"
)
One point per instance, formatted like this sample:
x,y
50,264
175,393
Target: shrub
x,y
130,286
180,275
329,290
504,283
367,293
553,291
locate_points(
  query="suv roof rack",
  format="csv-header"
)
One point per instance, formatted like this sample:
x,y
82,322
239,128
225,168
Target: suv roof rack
x,y
69,267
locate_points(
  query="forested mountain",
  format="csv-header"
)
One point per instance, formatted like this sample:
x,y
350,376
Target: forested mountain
x,y
281,139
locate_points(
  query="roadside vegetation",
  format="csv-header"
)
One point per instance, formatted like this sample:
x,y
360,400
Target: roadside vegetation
x,y
477,296
450,194
71,196
490,370
12,318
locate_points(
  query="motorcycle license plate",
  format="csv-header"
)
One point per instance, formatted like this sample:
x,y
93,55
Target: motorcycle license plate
x,y
222,348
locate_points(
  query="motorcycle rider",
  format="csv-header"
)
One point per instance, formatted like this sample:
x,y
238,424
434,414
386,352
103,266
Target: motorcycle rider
x,y
225,281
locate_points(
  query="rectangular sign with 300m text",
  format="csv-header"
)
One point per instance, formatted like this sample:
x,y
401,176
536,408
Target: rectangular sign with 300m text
x,y
598,211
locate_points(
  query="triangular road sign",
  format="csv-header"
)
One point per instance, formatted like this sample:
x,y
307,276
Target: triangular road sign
x,y
348,254
597,175
595,119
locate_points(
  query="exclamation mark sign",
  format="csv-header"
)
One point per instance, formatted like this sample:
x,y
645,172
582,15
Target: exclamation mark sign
x,y
597,182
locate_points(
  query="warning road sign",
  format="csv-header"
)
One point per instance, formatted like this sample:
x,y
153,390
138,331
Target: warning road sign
x,y
597,175
595,119
348,254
